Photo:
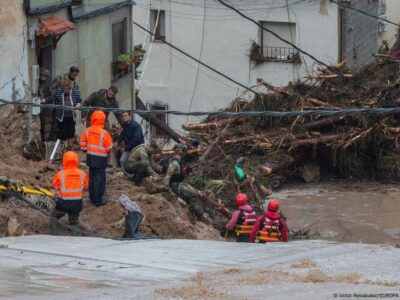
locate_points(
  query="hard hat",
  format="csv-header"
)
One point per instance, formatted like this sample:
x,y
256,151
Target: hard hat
x,y
273,205
241,199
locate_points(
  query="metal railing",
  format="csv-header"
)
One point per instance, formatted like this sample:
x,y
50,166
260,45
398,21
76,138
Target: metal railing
x,y
280,54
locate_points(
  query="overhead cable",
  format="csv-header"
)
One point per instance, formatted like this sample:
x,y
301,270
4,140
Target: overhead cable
x,y
267,113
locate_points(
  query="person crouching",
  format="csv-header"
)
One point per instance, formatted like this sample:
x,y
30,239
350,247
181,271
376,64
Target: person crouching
x,y
270,227
243,219
69,183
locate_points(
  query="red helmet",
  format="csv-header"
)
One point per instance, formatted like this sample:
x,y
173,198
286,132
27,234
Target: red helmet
x,y
241,199
273,205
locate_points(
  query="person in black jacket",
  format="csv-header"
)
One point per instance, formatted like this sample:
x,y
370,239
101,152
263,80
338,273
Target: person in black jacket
x,y
66,95
130,137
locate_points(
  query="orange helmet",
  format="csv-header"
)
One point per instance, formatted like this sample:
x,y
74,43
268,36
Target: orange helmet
x,y
241,199
273,205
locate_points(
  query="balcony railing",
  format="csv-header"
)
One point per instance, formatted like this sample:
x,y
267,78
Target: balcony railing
x,y
281,54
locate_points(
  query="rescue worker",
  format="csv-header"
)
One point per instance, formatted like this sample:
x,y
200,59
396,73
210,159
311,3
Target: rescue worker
x,y
97,143
102,98
140,163
174,177
243,219
69,183
270,227
130,137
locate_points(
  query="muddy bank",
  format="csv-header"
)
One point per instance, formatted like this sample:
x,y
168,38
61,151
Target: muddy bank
x,y
365,212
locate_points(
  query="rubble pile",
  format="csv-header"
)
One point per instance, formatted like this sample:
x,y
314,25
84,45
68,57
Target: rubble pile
x,y
272,150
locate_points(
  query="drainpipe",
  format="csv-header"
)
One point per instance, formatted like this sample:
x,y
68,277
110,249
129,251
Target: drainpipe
x,y
131,47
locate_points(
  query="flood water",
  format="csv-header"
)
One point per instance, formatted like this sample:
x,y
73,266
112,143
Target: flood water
x,y
344,212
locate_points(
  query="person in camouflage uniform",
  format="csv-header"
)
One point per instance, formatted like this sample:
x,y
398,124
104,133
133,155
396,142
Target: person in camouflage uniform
x,y
174,178
102,98
140,163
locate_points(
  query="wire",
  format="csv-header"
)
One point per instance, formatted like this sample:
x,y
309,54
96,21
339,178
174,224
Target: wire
x,y
363,12
200,62
198,65
328,67
338,112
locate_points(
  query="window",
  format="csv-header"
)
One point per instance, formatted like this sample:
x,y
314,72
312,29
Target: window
x,y
119,46
272,48
157,24
156,133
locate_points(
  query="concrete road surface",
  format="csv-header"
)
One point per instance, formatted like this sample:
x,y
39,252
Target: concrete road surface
x,y
49,267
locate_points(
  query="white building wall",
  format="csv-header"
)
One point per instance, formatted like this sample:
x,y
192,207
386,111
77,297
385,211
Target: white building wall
x,y
392,13
223,41
13,51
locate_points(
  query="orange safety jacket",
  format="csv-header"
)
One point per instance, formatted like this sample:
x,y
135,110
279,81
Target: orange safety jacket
x,y
249,219
269,232
70,184
96,141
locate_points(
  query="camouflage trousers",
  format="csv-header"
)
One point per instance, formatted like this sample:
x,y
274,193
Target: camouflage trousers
x,y
137,170
191,196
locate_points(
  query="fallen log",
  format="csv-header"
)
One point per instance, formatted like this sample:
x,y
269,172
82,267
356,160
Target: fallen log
x,y
281,91
269,168
157,122
315,141
321,103
321,123
329,76
214,203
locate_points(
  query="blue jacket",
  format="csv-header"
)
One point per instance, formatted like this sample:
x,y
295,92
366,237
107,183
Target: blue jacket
x,y
131,135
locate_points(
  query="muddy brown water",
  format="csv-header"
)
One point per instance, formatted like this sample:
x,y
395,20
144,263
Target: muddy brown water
x,y
345,212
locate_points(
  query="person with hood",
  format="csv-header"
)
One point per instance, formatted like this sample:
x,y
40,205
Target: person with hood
x,y
242,220
48,126
97,143
69,183
270,227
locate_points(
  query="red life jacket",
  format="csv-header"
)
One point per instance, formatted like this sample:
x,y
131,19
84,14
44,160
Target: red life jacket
x,y
246,221
269,232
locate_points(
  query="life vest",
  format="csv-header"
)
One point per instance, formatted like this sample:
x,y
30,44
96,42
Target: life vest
x,y
95,141
72,184
246,221
269,232
164,162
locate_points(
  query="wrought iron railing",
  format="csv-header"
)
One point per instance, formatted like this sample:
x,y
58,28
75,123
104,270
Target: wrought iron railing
x,y
281,54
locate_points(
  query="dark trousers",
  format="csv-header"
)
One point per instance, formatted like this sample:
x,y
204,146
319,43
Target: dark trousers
x,y
132,222
73,220
242,238
97,185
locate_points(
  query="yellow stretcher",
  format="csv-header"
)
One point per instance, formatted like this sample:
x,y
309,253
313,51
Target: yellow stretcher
x,y
37,196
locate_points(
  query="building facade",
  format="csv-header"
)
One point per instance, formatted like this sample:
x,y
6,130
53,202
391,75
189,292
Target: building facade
x,y
58,34
219,37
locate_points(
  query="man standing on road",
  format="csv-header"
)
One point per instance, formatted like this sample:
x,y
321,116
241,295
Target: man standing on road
x,y
97,143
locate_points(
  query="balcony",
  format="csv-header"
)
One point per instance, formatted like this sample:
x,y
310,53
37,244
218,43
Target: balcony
x,y
281,54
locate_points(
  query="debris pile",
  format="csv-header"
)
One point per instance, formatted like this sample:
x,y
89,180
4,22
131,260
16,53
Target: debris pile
x,y
275,149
